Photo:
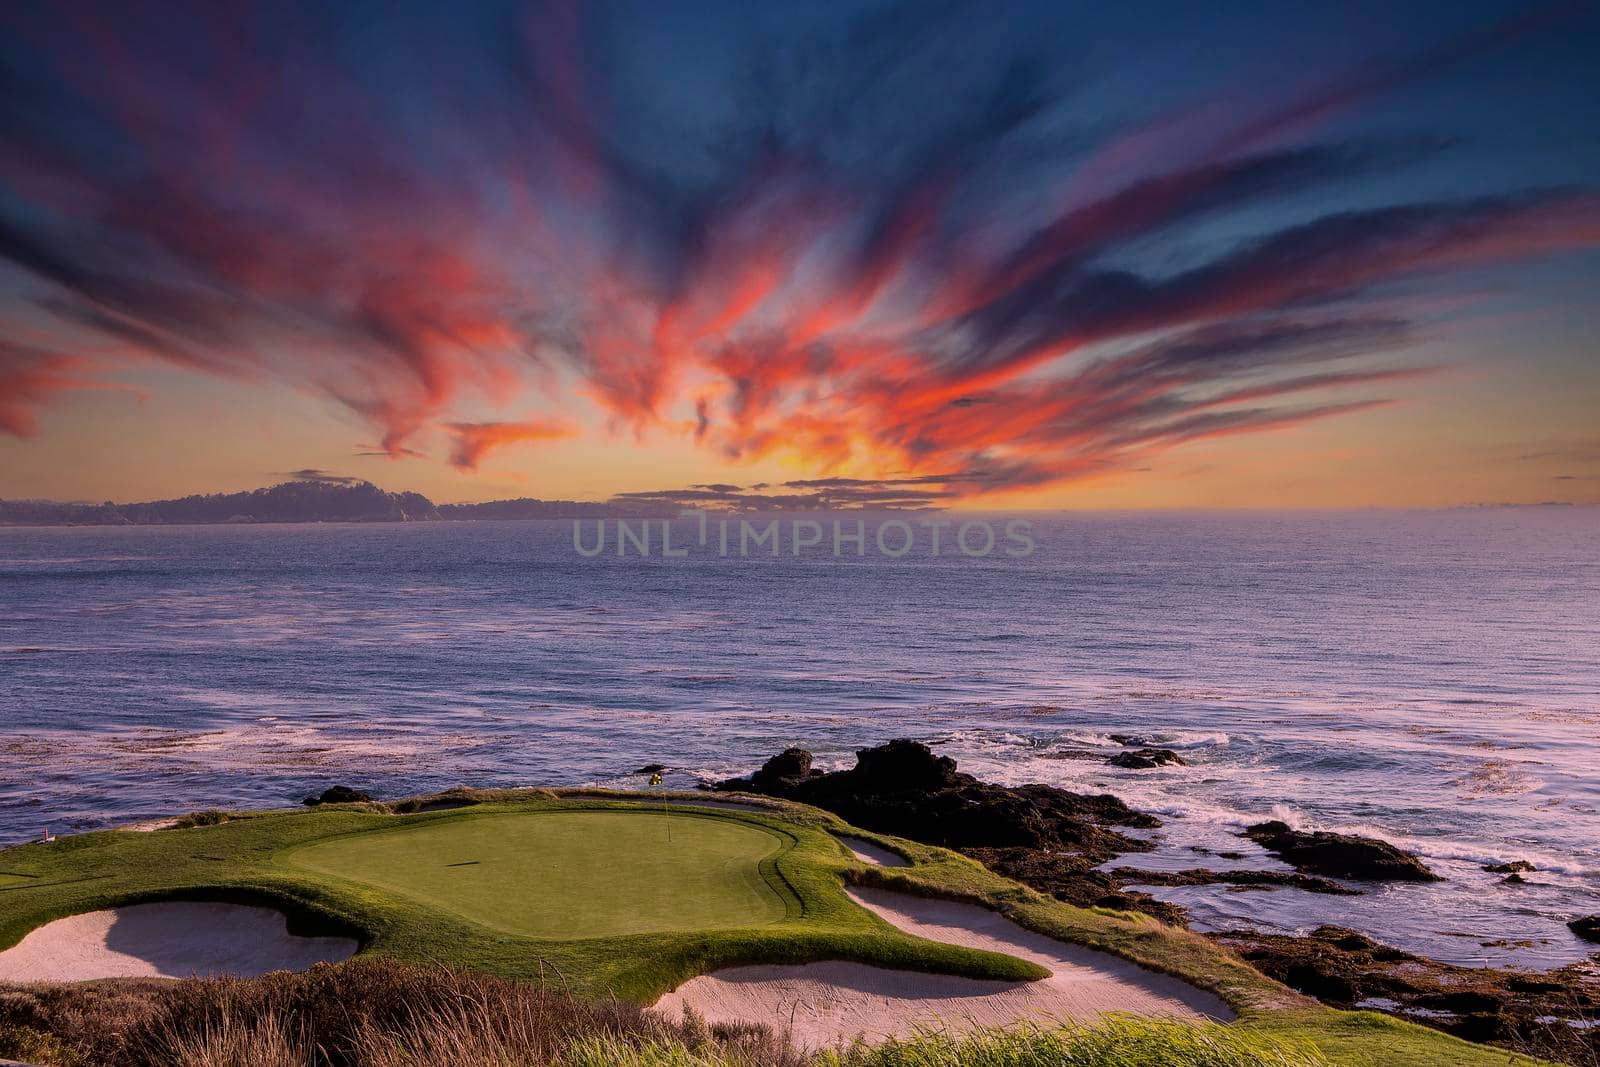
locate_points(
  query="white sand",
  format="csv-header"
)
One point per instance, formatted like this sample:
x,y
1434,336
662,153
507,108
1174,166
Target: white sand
x,y
171,939
876,855
822,1004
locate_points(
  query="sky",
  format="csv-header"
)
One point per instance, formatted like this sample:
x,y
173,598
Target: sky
x,y
1138,255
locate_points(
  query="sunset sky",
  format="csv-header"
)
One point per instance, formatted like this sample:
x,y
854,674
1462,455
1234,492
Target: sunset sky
x,y
985,255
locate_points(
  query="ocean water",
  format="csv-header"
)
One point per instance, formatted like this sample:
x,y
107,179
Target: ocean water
x,y
1432,678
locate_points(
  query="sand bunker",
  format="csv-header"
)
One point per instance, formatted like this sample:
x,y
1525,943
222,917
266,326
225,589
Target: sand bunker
x,y
876,855
822,1004
170,939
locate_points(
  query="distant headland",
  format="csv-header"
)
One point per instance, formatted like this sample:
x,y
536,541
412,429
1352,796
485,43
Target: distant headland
x,y
300,500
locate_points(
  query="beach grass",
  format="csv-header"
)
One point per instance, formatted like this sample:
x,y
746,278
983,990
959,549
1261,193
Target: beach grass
x,y
582,892
1109,1042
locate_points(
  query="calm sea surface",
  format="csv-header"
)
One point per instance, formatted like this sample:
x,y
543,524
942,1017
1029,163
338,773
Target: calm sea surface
x,y
1431,678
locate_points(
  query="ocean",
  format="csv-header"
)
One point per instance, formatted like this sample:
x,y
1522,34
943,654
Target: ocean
x,y
1431,678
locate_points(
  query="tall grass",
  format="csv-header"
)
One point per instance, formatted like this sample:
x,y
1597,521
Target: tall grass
x,y
363,1013
1111,1042
379,1013
609,1051
1114,1041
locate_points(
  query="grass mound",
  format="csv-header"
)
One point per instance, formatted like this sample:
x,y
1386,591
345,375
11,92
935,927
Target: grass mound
x,y
570,875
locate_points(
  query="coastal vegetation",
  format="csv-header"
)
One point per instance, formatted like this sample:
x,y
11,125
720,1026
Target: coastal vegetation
x,y
381,1013
1062,843
337,869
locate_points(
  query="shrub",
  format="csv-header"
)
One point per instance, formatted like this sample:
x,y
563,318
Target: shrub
x,y
36,1046
209,817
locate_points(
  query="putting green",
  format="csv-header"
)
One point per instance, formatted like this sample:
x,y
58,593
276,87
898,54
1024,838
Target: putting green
x,y
570,875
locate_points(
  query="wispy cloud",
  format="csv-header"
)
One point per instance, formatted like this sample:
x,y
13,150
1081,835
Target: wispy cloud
x,y
322,477
474,440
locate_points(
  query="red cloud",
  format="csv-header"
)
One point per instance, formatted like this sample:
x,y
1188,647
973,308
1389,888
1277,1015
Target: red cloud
x,y
474,440
30,378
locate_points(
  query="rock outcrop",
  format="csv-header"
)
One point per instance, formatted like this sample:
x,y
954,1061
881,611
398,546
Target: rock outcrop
x,y
1243,879
339,794
1144,758
1513,867
902,788
1533,1013
1040,835
1339,855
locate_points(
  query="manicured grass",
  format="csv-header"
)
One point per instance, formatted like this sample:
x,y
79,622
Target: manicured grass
x,y
576,889
568,875
582,891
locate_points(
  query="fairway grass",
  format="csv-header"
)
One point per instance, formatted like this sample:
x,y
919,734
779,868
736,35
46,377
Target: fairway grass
x,y
571,875
582,889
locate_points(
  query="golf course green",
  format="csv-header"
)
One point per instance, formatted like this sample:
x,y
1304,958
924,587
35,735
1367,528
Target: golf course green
x,y
571,875
613,894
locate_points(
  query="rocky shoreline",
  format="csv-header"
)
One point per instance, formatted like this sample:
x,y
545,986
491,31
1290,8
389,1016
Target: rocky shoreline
x,y
1058,842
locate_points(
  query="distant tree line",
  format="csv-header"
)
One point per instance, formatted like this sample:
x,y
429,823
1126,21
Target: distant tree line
x,y
295,501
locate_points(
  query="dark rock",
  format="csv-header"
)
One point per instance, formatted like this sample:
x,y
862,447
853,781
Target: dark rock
x,y
1513,879
1343,968
905,765
339,794
1513,867
1588,927
1130,740
1125,900
790,765
1073,879
1087,755
1147,757
1339,855
1244,879
1530,984
1327,986
1482,1026
651,768
903,788
1348,940
1462,1001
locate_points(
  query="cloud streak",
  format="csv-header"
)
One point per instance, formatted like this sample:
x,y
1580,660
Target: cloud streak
x,y
475,440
